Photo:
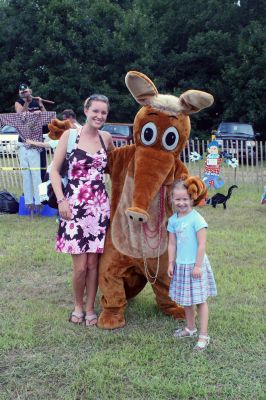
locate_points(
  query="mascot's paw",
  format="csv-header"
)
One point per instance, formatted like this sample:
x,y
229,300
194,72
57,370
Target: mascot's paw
x,y
111,320
177,312
196,189
57,128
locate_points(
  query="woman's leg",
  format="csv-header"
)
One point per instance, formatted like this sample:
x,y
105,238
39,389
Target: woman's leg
x,y
204,316
79,283
91,281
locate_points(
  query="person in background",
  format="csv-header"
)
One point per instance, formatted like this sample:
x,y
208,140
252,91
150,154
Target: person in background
x,y
84,206
49,144
71,116
26,102
192,280
32,159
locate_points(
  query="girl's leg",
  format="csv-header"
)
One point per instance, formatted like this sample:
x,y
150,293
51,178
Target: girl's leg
x,y
190,317
204,339
190,329
204,316
91,284
79,282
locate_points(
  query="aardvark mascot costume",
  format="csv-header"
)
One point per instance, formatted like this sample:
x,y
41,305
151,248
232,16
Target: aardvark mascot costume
x,y
142,173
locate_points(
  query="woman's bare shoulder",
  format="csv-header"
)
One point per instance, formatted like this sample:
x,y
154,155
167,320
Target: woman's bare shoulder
x,y
105,134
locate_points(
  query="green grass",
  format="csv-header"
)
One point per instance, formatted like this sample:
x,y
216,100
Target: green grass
x,y
45,357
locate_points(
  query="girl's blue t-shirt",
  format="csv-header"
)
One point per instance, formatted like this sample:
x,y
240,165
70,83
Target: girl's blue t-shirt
x,y
186,229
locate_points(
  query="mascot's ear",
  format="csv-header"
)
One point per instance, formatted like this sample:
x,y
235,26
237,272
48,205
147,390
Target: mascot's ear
x,y
57,128
145,93
141,87
193,101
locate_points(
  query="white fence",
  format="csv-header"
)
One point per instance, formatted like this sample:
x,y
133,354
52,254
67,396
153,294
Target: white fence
x,y
252,170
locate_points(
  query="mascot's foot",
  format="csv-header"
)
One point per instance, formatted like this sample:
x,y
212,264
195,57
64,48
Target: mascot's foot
x,y
177,312
111,320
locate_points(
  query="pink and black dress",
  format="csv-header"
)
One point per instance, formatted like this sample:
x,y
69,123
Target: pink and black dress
x,y
89,203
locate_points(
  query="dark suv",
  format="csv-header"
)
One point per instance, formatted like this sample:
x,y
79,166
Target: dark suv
x,y
237,139
121,133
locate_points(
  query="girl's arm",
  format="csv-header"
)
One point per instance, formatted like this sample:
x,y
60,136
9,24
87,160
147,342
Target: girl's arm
x,y
201,237
57,163
171,253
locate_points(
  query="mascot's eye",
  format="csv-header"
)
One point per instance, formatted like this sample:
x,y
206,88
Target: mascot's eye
x,y
170,138
149,133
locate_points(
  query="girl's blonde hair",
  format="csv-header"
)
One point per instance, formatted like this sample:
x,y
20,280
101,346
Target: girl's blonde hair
x,y
178,184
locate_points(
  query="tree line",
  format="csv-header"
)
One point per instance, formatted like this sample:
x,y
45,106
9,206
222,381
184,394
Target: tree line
x,y
67,50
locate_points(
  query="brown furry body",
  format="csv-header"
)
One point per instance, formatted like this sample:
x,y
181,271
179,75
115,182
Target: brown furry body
x,y
138,174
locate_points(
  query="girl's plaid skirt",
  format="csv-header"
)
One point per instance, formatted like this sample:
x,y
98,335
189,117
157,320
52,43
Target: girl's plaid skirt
x,y
186,290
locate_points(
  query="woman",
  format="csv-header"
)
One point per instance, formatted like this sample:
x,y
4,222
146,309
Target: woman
x,y
84,206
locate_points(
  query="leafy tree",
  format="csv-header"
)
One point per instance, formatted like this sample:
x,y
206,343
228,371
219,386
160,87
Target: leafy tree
x,y
69,49
246,78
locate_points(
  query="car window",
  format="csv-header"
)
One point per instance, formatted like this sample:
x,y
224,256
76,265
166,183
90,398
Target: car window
x,y
231,128
9,130
117,130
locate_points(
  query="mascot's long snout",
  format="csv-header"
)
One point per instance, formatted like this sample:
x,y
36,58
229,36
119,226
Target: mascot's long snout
x,y
153,169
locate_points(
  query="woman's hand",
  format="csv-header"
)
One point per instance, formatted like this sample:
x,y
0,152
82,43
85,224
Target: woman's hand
x,y
196,273
64,210
29,141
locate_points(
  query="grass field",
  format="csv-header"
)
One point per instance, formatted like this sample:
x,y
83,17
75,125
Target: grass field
x,y
45,357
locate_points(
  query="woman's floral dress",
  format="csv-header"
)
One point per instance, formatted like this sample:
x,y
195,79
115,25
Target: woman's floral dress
x,y
89,204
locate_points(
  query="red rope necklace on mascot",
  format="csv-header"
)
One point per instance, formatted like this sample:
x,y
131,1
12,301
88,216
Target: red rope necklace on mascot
x,y
148,233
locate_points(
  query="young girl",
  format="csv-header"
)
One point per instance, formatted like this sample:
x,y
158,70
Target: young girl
x,y
192,280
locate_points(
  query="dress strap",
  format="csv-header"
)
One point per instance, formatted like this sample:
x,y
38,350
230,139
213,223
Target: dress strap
x,y
72,140
102,143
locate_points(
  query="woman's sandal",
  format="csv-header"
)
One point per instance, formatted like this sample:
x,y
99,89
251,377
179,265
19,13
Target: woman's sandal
x,y
202,343
182,333
91,320
79,315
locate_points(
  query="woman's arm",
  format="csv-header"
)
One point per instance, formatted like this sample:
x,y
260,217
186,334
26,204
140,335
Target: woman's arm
x,y
57,163
46,145
171,253
201,237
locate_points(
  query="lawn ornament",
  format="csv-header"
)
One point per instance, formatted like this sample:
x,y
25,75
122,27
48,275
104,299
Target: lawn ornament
x,y
213,161
220,198
211,176
142,173
263,197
